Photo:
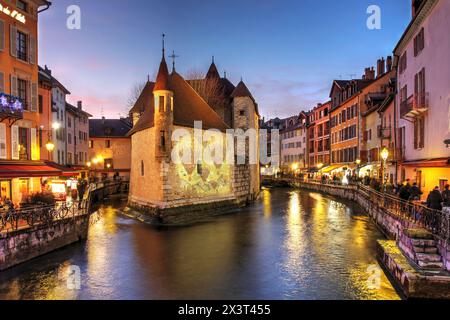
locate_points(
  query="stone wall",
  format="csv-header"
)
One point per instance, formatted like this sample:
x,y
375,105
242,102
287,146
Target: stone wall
x,y
391,225
26,244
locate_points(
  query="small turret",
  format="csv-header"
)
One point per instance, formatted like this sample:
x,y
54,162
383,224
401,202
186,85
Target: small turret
x,y
213,73
163,115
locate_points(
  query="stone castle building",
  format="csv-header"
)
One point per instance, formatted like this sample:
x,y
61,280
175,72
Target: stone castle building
x,y
177,193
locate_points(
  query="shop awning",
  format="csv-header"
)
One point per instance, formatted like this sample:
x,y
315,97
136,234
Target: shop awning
x,y
330,168
66,172
430,163
28,171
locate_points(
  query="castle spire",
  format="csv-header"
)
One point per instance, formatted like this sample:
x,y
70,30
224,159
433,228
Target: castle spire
x,y
213,73
162,79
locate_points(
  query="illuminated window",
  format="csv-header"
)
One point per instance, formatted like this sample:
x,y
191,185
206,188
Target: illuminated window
x,y
91,144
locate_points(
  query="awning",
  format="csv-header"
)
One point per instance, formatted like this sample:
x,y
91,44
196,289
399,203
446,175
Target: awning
x,y
66,172
331,168
430,163
28,171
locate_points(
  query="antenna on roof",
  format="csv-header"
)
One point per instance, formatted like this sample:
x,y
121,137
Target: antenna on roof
x,y
173,56
352,75
148,78
225,74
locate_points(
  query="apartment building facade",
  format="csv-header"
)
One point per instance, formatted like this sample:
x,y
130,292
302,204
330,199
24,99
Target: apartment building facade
x,y
321,138
294,144
423,102
20,168
77,129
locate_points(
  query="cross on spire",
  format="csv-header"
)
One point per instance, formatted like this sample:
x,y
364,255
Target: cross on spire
x,y
173,57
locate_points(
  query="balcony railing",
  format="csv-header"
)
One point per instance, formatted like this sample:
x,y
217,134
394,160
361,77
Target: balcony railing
x,y
10,107
384,132
416,105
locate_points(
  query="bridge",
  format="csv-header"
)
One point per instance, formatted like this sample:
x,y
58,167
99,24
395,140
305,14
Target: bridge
x,y
29,232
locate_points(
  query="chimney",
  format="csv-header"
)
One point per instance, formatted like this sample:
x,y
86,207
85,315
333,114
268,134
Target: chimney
x,y
80,105
48,71
389,64
381,67
103,120
369,74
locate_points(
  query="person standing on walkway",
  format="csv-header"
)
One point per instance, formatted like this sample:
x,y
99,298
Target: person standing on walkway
x,y
435,200
446,196
415,192
81,188
404,192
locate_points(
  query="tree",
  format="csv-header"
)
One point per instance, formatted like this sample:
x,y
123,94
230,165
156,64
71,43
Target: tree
x,y
135,92
211,90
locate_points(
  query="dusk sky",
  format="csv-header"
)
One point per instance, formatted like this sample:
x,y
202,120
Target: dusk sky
x,y
287,52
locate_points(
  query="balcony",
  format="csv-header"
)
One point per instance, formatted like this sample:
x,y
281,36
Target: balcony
x,y
396,154
415,106
384,133
10,108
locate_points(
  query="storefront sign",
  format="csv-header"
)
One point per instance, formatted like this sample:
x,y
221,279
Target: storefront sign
x,y
13,14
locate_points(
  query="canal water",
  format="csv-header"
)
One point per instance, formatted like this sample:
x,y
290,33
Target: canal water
x,y
289,245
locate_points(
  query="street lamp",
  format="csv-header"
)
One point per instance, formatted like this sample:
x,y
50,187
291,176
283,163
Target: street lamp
x,y
50,146
56,125
384,156
358,163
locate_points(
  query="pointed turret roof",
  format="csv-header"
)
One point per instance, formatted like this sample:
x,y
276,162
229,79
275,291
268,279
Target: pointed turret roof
x,y
213,73
162,79
241,91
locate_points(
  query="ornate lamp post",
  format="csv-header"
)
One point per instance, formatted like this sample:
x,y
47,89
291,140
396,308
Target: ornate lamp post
x,y
384,156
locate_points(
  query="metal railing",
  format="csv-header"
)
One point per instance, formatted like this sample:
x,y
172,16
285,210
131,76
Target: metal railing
x,y
13,219
414,212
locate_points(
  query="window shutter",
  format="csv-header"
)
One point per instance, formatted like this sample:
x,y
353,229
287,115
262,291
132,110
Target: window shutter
x,y
13,41
15,143
14,91
422,133
423,80
3,154
2,35
34,146
416,134
2,82
32,45
34,97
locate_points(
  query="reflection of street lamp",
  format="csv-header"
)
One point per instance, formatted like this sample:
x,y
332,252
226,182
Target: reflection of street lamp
x,y
384,156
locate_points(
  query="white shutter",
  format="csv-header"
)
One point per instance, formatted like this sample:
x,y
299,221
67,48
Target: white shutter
x,y
15,143
13,41
32,46
34,97
2,35
14,91
2,82
34,146
3,154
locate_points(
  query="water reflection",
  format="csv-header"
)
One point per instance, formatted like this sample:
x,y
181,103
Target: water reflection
x,y
289,245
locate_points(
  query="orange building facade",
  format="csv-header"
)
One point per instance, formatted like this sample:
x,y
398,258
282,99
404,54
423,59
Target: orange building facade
x,y
20,169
